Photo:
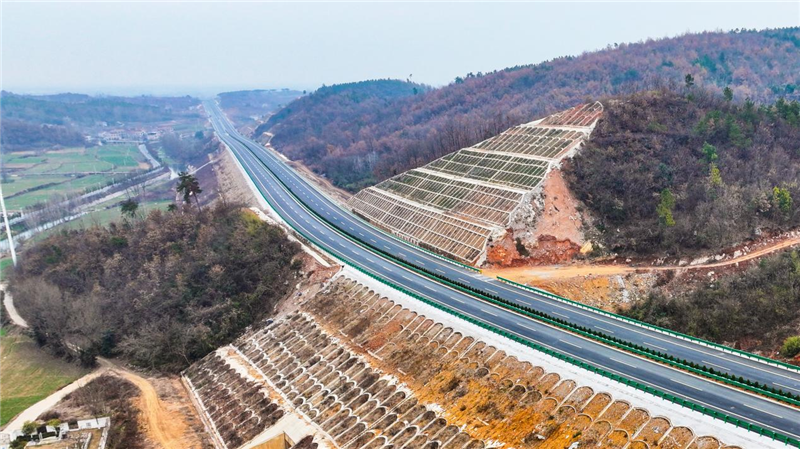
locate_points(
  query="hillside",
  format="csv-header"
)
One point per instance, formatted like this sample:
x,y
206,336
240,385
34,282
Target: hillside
x,y
667,174
321,128
244,106
357,142
458,204
755,309
161,291
78,109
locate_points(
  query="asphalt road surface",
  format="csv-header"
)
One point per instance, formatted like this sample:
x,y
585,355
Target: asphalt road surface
x,y
264,168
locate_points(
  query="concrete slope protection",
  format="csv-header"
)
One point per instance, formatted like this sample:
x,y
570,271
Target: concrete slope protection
x,y
296,207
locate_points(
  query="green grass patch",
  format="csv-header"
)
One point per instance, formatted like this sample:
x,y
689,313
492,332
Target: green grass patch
x,y
29,374
108,158
5,264
31,198
18,184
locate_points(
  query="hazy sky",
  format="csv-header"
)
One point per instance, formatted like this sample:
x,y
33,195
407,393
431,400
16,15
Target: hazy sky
x,y
202,48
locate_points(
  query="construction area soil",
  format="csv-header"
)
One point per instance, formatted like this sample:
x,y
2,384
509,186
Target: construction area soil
x,y
167,416
559,217
611,286
557,234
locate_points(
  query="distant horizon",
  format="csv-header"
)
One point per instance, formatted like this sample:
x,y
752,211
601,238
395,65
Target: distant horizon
x,y
154,91
212,91
134,48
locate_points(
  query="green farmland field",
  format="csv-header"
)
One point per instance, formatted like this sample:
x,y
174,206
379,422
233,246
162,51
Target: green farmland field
x,y
33,177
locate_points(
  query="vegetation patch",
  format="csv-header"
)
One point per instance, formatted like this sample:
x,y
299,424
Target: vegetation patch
x,y
29,374
761,304
161,291
722,172
35,177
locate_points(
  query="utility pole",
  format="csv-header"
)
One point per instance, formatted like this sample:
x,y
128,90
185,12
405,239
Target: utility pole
x,y
8,228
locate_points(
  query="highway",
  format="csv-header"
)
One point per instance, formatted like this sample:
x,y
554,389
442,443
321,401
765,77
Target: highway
x,y
264,168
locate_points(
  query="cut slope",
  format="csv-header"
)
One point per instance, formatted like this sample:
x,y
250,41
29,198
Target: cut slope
x,y
455,204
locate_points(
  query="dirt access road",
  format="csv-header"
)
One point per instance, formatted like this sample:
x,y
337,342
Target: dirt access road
x,y
164,423
530,274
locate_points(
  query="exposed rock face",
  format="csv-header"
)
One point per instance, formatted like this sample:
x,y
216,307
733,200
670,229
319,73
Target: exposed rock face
x,y
549,251
551,229
502,252
545,250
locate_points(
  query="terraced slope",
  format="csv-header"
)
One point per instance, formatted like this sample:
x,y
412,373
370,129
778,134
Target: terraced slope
x,y
455,204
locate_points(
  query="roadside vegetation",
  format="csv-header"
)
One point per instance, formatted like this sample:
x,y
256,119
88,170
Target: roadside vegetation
x,y
29,374
672,174
161,290
760,307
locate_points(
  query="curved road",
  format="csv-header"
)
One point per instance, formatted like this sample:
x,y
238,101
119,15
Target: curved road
x,y
264,168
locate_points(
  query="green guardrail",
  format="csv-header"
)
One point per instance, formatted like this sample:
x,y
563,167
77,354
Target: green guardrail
x,y
674,399
654,327
703,370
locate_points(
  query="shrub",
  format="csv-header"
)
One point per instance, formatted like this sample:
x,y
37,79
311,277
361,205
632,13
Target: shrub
x,y
791,346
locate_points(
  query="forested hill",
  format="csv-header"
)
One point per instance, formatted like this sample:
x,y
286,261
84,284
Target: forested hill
x,y
161,291
333,124
79,109
357,137
671,174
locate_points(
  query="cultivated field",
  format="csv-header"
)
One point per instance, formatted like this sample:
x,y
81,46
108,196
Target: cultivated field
x,y
31,177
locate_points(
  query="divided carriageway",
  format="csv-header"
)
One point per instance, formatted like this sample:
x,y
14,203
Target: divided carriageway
x,y
353,241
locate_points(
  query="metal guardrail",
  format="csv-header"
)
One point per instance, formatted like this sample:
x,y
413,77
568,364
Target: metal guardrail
x,y
700,341
662,330
658,393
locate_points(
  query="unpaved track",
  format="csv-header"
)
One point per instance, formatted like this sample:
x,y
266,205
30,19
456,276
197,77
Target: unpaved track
x,y
8,301
531,273
167,428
